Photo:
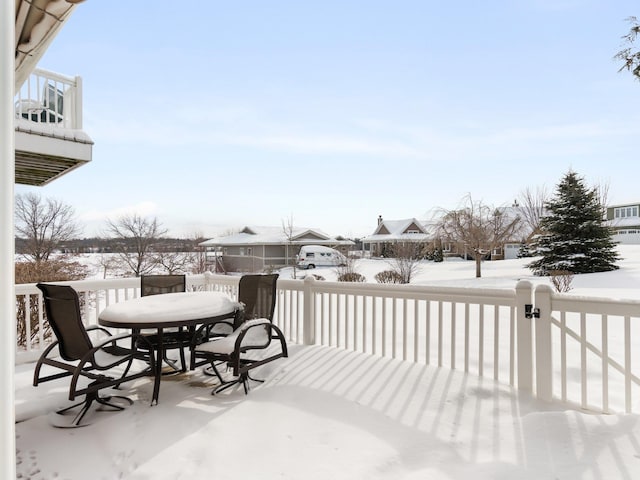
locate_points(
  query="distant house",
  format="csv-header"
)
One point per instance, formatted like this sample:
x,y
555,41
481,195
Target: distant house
x,y
389,233
256,249
624,220
393,232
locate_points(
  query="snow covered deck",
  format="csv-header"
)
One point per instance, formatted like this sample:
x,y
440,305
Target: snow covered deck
x,y
326,413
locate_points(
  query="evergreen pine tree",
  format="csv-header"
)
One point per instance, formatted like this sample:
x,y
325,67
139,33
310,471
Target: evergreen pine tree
x,y
575,238
524,250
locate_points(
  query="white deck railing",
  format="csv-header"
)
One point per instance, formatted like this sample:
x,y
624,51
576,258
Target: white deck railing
x,y
51,99
579,350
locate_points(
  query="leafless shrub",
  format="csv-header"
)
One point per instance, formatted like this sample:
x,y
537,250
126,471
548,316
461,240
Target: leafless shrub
x,y
43,271
406,260
351,277
347,269
388,276
561,280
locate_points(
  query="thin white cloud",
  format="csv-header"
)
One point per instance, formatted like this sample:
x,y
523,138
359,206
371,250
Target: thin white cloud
x,y
143,208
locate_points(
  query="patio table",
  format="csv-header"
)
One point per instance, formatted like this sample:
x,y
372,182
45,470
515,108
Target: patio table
x,y
183,309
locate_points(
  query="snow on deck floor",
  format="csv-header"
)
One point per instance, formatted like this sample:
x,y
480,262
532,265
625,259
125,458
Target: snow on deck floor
x,y
326,413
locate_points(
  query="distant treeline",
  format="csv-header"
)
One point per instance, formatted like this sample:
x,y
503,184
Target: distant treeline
x,y
108,245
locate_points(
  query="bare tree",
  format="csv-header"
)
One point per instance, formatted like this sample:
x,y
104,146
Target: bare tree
x,y
288,230
43,224
199,254
406,260
532,208
480,228
173,262
107,262
602,190
137,236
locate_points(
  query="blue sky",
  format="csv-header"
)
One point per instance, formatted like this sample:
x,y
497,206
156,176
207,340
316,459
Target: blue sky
x,y
213,115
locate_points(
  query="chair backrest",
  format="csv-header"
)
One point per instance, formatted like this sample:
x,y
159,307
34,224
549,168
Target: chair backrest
x,y
258,294
156,284
63,313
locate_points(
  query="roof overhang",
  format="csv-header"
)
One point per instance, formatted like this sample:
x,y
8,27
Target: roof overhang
x,y
44,154
37,24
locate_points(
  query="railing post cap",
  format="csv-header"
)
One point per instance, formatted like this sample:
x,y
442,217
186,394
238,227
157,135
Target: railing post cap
x,y
208,275
524,284
543,287
309,279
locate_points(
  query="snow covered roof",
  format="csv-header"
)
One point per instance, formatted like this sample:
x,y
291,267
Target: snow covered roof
x,y
624,222
256,235
409,229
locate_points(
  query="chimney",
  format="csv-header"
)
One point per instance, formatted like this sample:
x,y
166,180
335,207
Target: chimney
x,y
379,219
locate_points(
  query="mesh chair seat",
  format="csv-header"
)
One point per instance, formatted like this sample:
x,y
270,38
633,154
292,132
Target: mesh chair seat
x,y
253,338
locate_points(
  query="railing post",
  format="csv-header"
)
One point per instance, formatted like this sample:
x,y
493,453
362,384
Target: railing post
x,y
208,280
308,320
542,302
77,103
524,341
7,243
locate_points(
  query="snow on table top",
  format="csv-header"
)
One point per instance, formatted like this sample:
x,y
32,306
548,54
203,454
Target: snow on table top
x,y
170,307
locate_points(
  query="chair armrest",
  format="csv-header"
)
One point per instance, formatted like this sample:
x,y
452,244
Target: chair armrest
x,y
254,322
246,327
98,328
111,343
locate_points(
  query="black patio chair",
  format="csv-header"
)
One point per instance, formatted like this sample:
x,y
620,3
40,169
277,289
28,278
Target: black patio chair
x,y
253,329
257,295
80,356
172,339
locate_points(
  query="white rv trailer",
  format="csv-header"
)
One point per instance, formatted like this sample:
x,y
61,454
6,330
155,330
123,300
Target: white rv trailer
x,y
312,256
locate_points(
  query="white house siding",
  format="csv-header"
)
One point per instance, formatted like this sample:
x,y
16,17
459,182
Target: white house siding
x,y
511,250
627,237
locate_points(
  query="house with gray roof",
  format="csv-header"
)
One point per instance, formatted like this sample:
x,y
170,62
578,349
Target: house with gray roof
x,y
393,232
257,249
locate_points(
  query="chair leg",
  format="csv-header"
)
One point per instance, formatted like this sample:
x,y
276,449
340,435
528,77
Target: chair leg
x,y
255,379
86,405
183,360
173,363
126,370
242,378
212,370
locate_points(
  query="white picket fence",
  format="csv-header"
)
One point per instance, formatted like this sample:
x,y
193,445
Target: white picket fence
x,y
584,351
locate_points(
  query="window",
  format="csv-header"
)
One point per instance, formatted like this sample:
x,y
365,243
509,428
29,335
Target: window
x,y
626,212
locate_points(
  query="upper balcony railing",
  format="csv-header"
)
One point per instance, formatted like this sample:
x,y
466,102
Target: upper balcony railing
x,y
51,99
580,350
